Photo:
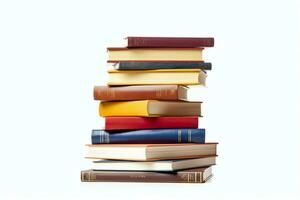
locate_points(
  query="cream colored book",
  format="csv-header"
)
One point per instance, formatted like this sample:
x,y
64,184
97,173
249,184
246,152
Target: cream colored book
x,y
162,165
156,77
145,152
154,54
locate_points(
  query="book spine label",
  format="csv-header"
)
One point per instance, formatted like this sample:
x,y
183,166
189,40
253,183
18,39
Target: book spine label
x,y
163,65
133,123
151,136
165,92
122,176
169,42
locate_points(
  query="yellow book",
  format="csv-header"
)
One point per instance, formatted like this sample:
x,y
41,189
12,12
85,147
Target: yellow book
x,y
154,54
157,77
149,108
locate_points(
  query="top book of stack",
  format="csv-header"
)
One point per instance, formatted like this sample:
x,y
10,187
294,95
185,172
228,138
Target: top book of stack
x,y
169,42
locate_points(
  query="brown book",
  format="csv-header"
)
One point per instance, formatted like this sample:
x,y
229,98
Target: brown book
x,y
141,92
170,41
197,175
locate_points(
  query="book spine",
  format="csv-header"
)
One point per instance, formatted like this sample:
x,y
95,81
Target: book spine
x,y
150,136
123,176
132,123
167,92
163,65
169,42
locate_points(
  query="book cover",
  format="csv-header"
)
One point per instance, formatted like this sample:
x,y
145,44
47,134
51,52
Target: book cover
x,y
149,136
131,123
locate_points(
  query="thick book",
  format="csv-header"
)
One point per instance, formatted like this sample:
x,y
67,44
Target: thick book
x,y
170,42
197,175
157,77
161,65
149,136
117,54
149,108
140,92
161,165
146,152
132,123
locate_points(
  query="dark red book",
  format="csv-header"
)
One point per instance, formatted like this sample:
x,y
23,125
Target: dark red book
x,y
170,42
132,123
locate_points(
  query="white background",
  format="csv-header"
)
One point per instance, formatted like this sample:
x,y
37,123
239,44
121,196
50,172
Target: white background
x,y
52,53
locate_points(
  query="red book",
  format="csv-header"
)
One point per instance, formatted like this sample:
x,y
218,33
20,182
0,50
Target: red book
x,y
132,123
166,42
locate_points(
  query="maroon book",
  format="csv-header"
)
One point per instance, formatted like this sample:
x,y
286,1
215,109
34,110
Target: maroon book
x,y
166,42
132,123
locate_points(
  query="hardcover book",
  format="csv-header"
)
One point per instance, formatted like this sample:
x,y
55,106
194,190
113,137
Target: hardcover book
x,y
149,108
197,175
146,152
149,136
116,54
161,65
132,123
140,92
161,165
170,42
157,77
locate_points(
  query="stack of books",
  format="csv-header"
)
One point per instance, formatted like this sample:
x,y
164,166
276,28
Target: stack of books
x,y
151,130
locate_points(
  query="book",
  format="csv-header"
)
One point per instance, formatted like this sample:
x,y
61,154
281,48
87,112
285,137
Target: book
x,y
161,165
170,41
116,54
140,92
149,108
157,77
149,136
146,152
197,175
131,123
138,65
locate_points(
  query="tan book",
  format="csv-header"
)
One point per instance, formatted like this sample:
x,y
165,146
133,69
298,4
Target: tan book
x,y
157,77
145,152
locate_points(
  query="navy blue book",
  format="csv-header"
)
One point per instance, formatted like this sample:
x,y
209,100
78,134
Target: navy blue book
x,y
149,136
162,65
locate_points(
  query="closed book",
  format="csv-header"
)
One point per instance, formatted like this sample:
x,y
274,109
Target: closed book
x,y
146,152
197,175
170,41
132,123
117,54
161,65
140,92
149,108
161,165
157,77
149,136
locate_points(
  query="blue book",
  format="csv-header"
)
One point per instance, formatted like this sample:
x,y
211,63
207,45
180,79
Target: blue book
x,y
149,136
